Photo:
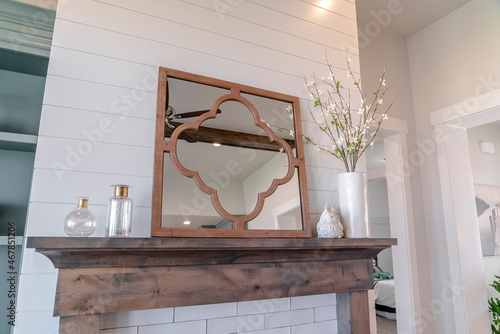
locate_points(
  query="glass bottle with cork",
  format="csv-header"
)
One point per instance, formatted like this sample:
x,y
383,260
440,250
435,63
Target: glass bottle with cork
x,y
119,221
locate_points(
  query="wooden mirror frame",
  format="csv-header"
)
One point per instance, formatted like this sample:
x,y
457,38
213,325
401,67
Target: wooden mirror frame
x,y
295,163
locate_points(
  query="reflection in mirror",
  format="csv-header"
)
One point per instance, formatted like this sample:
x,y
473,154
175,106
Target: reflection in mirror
x,y
234,156
229,160
182,108
282,210
278,115
238,187
184,205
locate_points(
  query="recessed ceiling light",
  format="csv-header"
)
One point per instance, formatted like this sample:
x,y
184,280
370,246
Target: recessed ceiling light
x,y
216,144
187,222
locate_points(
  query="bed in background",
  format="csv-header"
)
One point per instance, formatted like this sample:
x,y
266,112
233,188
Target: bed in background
x,y
385,298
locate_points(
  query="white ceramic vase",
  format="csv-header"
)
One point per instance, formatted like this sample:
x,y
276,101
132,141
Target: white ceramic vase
x,y
353,202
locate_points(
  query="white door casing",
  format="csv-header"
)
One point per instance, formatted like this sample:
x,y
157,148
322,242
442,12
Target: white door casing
x,y
401,225
462,230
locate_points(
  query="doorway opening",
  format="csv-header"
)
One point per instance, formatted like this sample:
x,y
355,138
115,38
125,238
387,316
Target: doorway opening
x,y
391,214
459,149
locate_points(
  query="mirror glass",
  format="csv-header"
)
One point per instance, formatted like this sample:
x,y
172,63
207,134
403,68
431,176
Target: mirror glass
x,y
227,159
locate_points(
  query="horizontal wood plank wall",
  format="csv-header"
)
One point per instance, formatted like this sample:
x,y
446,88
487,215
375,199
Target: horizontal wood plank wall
x,y
97,124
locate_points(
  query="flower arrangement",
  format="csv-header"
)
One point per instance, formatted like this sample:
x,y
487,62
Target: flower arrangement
x,y
334,115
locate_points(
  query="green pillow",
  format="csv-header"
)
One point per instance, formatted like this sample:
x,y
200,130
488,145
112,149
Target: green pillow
x,y
382,275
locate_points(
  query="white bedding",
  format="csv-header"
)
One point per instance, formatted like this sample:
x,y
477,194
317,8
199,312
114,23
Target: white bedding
x,y
385,296
384,293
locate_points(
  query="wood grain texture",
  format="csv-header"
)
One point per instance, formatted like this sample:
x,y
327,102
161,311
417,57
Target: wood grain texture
x,y
103,275
200,244
87,291
164,252
125,258
360,315
230,138
353,312
82,324
343,312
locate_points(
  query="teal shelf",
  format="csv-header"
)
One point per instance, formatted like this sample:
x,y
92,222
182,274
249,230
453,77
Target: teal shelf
x,y
17,142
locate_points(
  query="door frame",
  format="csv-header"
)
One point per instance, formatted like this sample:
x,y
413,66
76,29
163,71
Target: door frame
x,y
401,223
460,216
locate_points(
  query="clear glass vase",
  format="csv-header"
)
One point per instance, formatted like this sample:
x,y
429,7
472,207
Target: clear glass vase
x,y
119,223
81,221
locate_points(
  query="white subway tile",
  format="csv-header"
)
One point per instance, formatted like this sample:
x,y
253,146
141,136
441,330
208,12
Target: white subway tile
x,y
289,318
235,324
191,327
36,292
316,328
312,301
198,312
36,323
137,318
127,330
325,313
264,306
282,330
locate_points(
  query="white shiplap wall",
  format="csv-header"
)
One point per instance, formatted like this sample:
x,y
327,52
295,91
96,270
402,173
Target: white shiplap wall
x,y
97,125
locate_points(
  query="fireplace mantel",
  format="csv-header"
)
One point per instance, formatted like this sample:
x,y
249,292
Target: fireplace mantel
x,y
103,275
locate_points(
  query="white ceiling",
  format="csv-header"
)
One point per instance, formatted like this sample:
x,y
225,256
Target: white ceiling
x,y
414,16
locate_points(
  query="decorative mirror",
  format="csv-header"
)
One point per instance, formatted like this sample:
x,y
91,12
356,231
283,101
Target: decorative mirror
x,y
229,161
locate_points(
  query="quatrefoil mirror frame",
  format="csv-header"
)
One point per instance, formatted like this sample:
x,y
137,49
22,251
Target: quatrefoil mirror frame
x,y
296,163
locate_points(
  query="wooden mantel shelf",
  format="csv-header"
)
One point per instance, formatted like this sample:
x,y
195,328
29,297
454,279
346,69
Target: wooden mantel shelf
x,y
102,275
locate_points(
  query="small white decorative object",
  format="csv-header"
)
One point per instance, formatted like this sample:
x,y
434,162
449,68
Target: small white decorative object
x,y
329,225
